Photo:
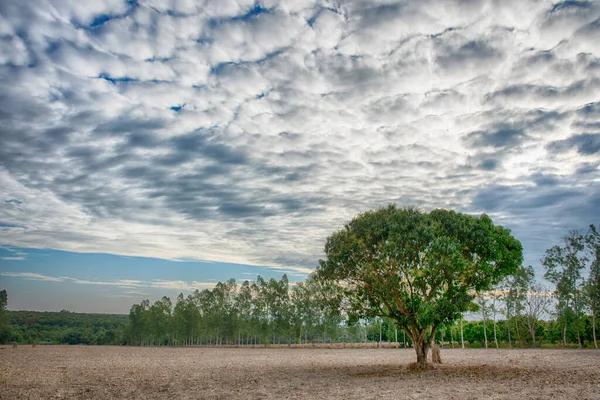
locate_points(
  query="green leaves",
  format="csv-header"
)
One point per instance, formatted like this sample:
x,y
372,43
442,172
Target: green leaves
x,y
565,266
418,268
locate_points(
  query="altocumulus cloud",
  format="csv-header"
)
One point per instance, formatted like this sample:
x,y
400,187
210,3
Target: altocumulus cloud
x,y
247,131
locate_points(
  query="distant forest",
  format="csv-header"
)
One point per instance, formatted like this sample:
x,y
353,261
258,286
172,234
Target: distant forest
x,y
274,312
65,328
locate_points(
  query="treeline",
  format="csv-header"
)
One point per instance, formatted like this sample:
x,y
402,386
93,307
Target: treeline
x,y
519,311
261,312
66,328
265,312
114,329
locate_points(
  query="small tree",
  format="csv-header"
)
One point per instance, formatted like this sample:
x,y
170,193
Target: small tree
x,y
514,292
495,296
481,302
592,286
420,269
536,304
564,265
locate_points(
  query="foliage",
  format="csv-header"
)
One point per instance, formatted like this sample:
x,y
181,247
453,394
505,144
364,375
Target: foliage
x,y
592,286
536,304
72,328
564,267
514,290
420,269
66,327
265,311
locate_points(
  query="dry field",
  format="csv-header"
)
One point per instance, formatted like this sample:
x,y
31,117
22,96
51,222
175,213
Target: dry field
x,y
278,373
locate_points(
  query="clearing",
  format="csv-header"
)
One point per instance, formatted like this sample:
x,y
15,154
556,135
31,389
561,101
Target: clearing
x,y
104,372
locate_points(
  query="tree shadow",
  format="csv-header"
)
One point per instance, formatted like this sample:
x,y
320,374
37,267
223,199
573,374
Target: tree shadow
x,y
447,371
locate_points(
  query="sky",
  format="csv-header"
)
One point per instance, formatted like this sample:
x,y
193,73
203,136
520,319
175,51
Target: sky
x,y
154,147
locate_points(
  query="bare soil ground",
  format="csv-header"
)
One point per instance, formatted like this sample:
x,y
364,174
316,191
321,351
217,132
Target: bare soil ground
x,y
287,373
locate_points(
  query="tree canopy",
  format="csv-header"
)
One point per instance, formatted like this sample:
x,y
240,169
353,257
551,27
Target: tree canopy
x,y
420,269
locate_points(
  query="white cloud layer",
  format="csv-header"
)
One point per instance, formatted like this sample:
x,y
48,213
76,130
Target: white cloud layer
x,y
122,283
247,132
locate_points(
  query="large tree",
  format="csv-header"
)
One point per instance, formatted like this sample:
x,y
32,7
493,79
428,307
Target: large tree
x,y
420,269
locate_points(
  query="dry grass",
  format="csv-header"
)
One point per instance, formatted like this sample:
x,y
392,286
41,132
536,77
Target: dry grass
x,y
282,373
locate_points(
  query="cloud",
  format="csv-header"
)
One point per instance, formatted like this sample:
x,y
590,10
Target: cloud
x,y
118,283
548,202
32,277
500,136
122,283
13,254
586,144
248,132
181,285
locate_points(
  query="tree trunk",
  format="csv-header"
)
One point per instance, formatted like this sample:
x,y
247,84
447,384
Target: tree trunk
x,y
396,333
594,330
305,335
565,336
422,349
577,324
495,334
485,333
508,325
483,314
462,338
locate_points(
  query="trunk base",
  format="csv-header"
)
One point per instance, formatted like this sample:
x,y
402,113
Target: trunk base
x,y
419,367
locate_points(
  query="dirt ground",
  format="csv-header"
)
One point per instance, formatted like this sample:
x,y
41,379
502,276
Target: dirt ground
x,y
95,372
